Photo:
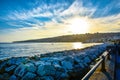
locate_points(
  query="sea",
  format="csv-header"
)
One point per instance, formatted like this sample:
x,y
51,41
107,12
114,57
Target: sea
x,y
8,50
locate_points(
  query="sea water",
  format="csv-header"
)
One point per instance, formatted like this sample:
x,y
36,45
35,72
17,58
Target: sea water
x,y
8,50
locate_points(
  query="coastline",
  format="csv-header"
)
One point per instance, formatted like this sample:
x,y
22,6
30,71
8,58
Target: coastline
x,y
69,64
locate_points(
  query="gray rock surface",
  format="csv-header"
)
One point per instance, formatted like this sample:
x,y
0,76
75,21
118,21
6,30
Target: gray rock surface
x,y
67,64
46,70
20,70
30,67
7,69
13,77
29,76
53,66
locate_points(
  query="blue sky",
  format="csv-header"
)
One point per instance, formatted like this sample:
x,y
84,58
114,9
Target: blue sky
x,y
31,19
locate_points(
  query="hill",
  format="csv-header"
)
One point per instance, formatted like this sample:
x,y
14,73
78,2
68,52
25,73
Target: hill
x,y
96,37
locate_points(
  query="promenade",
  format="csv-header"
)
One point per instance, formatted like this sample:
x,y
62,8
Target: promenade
x,y
112,69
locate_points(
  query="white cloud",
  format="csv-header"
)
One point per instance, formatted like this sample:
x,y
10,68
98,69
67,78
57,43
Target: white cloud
x,y
77,8
40,11
109,19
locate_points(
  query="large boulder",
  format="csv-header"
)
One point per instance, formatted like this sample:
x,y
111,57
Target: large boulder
x,y
87,59
45,59
55,62
30,67
77,59
46,70
2,67
66,64
17,61
7,69
13,77
29,76
37,63
81,65
4,76
20,70
47,78
21,60
11,61
3,64
64,76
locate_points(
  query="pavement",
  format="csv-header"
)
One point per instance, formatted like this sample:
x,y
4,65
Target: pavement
x,y
112,67
105,75
118,67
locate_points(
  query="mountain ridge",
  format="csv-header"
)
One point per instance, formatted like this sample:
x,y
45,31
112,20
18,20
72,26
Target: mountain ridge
x,y
88,37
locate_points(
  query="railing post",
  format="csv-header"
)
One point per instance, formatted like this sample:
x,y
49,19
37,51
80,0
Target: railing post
x,y
103,64
108,56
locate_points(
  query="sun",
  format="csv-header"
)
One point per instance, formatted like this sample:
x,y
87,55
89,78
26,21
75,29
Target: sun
x,y
79,25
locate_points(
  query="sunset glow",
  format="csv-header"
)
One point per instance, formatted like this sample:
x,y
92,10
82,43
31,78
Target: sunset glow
x,y
36,19
79,25
77,45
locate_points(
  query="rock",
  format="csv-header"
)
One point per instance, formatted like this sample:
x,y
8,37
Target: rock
x,y
66,64
21,60
64,76
87,59
29,76
40,70
45,59
5,76
50,69
76,59
13,77
81,65
1,77
58,66
37,78
55,62
36,57
11,61
45,70
20,70
69,58
30,67
2,65
57,75
85,64
94,56
47,78
47,63
37,63
7,69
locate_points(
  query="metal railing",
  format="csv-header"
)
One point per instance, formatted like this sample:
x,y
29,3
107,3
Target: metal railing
x,y
101,61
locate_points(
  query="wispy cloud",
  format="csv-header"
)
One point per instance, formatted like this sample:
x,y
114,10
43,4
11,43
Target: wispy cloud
x,y
58,12
47,18
40,11
77,8
109,19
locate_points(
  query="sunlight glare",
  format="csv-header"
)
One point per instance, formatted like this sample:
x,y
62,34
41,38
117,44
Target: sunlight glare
x,y
79,25
77,45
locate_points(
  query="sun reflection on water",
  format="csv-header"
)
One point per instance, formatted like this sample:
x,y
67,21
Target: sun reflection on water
x,y
77,45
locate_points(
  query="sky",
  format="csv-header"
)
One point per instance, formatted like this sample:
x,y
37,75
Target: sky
x,y
34,19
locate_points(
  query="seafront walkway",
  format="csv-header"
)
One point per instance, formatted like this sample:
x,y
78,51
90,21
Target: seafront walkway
x,y
112,68
108,74
117,66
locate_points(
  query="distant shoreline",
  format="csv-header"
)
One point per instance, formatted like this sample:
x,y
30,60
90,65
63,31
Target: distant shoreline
x,y
84,38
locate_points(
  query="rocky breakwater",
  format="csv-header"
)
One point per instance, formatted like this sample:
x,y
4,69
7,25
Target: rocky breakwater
x,y
64,65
